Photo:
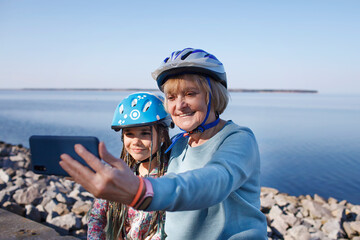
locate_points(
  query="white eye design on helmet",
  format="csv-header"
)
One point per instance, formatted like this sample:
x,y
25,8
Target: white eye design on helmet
x,y
121,109
147,106
134,102
135,114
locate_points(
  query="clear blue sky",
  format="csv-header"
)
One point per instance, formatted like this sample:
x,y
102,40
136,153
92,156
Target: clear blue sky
x,y
300,44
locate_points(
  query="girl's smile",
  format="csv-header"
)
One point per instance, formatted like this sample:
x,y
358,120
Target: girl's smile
x,y
137,142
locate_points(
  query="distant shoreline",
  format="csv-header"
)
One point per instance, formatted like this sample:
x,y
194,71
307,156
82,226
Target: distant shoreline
x,y
155,89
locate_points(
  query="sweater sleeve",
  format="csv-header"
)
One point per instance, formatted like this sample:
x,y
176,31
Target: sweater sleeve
x,y
229,168
97,220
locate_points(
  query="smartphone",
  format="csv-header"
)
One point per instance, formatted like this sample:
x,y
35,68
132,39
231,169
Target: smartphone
x,y
46,150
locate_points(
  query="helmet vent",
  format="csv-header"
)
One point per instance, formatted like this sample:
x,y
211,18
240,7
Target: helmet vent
x,y
121,109
147,106
134,103
186,55
166,59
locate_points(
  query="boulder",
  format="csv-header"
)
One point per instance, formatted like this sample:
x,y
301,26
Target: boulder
x,y
61,209
30,195
14,208
315,209
67,221
299,232
80,207
32,213
332,228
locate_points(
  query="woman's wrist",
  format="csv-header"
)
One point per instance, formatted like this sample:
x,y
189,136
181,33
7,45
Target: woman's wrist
x,y
146,199
139,193
143,195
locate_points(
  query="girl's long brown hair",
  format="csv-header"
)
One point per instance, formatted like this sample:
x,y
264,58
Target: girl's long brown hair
x,y
117,212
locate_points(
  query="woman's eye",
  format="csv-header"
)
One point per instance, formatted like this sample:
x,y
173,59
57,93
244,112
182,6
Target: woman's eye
x,y
170,98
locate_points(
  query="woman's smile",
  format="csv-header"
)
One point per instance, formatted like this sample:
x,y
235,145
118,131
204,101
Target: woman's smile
x,y
186,114
187,104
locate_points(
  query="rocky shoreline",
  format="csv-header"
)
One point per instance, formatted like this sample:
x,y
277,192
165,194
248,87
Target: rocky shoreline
x,y
62,204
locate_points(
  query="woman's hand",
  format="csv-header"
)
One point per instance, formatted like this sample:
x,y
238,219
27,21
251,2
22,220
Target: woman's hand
x,y
115,184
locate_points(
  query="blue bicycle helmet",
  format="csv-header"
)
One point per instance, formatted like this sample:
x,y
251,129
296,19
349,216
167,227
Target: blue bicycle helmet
x,y
140,109
190,60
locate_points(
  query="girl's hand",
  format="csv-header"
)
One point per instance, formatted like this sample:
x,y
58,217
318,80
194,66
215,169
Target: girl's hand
x,y
115,184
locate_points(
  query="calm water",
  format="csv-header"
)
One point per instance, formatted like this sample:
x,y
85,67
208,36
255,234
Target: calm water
x,y
309,143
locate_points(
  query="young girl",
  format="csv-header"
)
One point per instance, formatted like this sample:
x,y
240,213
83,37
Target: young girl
x,y
144,124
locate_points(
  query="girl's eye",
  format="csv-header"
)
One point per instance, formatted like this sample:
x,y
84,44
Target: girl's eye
x,y
128,134
146,133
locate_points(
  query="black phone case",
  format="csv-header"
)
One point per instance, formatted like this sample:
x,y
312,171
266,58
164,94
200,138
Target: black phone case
x,y
46,150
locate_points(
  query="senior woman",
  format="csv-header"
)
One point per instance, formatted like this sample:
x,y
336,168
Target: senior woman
x,y
211,189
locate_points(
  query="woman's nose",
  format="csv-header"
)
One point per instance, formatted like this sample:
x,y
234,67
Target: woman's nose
x,y
180,103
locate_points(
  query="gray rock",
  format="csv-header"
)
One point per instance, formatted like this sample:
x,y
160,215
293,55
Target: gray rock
x,y
84,220
291,208
266,190
268,201
4,196
50,206
348,230
86,195
80,207
19,182
343,202
318,235
281,200
42,212
275,212
4,176
2,184
332,229
50,216
61,188
278,222
315,209
32,213
319,199
67,221
61,209
355,209
75,194
61,197
355,226
30,195
299,232
11,189
15,208
17,158
337,211
10,172
290,219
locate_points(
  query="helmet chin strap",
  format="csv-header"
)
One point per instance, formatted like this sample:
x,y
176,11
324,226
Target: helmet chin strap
x,y
201,128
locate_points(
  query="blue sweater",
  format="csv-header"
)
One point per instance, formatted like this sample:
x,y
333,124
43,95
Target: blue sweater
x,y
212,191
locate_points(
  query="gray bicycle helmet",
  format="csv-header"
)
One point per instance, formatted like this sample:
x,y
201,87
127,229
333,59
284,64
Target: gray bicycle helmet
x,y
190,60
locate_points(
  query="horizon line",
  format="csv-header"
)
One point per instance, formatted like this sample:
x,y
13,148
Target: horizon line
x,y
156,89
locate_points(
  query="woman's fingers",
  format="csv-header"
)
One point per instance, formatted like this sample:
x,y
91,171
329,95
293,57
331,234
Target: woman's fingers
x,y
107,157
115,184
89,158
76,170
